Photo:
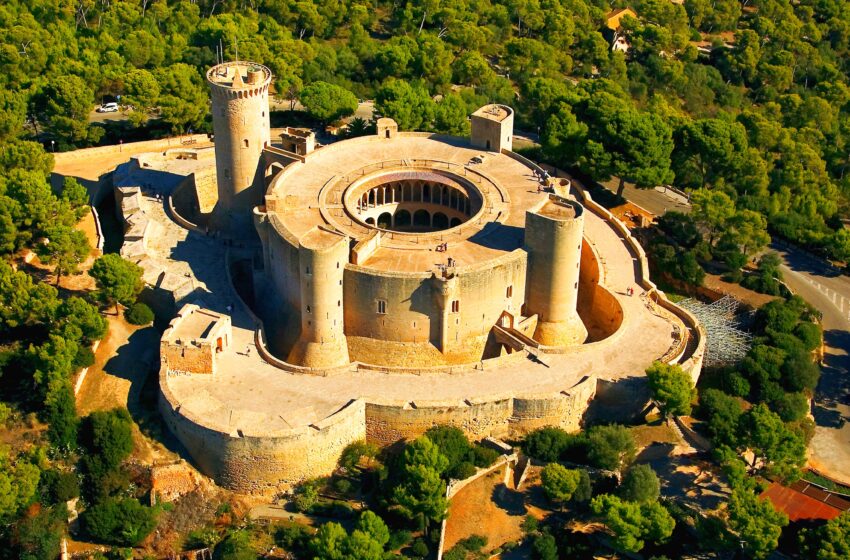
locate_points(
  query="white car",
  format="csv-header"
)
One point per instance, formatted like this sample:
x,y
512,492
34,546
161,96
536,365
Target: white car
x,y
108,108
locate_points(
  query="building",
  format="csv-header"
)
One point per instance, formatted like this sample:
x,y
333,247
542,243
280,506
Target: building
x,y
614,29
408,259
240,111
401,280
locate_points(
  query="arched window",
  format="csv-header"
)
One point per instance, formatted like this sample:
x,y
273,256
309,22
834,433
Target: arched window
x,y
421,218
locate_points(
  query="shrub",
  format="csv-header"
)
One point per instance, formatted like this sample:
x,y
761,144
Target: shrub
x,y
342,485
58,486
464,470
484,456
398,539
640,484
419,549
306,496
121,521
84,358
139,314
547,444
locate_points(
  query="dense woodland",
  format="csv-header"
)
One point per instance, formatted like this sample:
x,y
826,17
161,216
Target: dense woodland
x,y
745,105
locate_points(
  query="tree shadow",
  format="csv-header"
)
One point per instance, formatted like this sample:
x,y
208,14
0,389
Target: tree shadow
x,y
511,501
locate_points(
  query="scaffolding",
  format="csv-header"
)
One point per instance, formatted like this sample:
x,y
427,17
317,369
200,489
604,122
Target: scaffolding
x,y
726,340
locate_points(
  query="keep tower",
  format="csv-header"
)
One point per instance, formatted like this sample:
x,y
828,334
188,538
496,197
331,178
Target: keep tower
x,y
240,110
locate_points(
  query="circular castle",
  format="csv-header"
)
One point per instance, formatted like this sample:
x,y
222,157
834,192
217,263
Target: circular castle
x,y
402,280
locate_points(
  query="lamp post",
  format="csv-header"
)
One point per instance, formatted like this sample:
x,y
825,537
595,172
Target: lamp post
x,y
53,146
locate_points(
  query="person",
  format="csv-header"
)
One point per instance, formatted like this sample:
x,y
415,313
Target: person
x,y
248,350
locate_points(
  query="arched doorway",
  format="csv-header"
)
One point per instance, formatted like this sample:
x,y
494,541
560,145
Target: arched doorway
x,y
402,219
421,218
385,220
441,221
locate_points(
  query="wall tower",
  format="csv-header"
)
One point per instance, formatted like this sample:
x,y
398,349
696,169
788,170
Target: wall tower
x,y
322,257
492,128
240,110
553,238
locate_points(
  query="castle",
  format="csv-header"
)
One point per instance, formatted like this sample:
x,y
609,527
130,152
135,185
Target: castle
x,y
401,280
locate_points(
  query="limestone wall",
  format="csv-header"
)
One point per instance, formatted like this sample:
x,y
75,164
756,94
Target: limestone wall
x,y
262,465
599,309
509,416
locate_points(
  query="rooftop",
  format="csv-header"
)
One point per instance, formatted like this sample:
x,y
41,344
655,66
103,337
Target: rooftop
x,y
493,112
195,325
315,193
239,74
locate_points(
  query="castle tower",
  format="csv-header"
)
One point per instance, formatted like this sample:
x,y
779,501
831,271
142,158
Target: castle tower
x,y
322,344
492,128
553,237
240,110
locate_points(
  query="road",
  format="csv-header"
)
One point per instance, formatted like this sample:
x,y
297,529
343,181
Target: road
x,y
829,451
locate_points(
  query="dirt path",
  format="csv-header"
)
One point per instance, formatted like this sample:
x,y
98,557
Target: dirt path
x,y
486,507
123,361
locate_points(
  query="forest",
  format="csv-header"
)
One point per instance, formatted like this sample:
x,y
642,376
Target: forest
x,y
750,99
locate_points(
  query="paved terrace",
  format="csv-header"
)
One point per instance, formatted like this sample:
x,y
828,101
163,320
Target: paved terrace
x,y
309,194
250,395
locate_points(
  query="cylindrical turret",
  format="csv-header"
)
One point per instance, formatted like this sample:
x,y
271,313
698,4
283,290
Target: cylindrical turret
x,y
240,110
553,237
322,344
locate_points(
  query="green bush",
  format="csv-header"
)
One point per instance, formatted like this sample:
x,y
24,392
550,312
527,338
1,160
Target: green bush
x,y
139,314
398,539
419,549
84,358
58,486
463,471
548,444
484,456
121,521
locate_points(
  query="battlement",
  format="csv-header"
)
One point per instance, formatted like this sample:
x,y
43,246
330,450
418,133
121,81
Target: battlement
x,y
240,79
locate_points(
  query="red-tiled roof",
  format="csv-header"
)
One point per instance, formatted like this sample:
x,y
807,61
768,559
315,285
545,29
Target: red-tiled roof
x,y
804,501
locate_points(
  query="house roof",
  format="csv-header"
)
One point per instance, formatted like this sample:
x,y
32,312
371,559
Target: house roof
x,y
803,500
612,20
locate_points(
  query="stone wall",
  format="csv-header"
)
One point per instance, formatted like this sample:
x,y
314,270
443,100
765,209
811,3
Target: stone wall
x,y
509,416
263,465
600,311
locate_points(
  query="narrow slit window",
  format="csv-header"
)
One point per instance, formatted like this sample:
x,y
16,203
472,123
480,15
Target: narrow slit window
x,y
455,306
509,292
382,307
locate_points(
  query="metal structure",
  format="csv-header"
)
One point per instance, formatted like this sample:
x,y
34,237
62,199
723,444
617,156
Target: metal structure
x,y
726,341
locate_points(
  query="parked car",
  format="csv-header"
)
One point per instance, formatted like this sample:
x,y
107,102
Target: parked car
x,y
108,108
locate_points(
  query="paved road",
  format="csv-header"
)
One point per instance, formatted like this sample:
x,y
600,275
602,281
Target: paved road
x,y
829,451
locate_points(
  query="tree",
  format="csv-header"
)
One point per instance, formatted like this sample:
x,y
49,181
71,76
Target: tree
x,y
410,106
640,484
712,209
354,452
559,482
183,100
121,521
118,280
781,450
631,523
142,92
723,413
38,534
610,447
236,546
621,141
544,547
66,248
451,116
64,105
421,492
76,312
76,196
547,444
756,522
672,388
327,102
374,526
830,541
108,437
18,483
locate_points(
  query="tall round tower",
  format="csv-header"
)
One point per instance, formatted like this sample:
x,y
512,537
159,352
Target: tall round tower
x,y
553,237
322,257
240,110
